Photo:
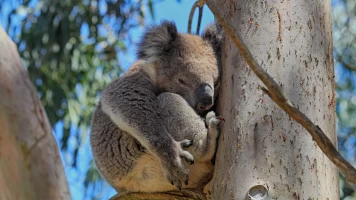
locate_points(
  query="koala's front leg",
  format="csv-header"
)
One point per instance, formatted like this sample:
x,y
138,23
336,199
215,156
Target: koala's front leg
x,y
136,111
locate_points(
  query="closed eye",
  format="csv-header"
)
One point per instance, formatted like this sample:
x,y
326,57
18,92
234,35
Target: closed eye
x,y
181,81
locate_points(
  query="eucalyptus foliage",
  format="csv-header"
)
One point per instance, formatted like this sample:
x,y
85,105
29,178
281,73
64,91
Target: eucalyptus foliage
x,y
344,33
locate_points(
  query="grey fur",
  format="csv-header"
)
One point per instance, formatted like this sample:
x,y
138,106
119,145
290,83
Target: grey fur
x,y
136,145
117,153
182,123
157,40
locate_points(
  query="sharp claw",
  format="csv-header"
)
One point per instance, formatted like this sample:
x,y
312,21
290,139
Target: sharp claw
x,y
186,182
187,143
189,161
221,119
180,188
172,183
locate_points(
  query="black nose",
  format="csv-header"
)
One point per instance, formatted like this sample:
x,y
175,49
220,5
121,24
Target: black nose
x,y
206,100
205,97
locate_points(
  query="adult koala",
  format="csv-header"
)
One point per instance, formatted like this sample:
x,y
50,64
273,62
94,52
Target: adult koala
x,y
134,148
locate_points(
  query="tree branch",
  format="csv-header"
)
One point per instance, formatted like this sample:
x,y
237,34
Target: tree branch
x,y
275,92
340,59
199,4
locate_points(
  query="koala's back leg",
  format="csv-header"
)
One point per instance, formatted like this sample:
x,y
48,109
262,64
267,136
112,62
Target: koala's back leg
x,y
146,176
115,152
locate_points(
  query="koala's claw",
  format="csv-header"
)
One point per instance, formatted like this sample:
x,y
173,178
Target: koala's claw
x,y
186,143
186,182
212,120
187,157
218,120
173,168
221,118
176,176
185,154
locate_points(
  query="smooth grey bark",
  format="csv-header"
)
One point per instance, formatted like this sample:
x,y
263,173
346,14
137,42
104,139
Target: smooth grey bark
x,y
262,151
30,165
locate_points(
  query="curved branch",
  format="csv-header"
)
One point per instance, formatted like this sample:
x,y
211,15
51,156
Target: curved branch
x,y
340,59
195,5
199,4
276,94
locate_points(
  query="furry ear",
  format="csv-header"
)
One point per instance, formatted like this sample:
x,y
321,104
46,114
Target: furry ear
x,y
157,39
214,34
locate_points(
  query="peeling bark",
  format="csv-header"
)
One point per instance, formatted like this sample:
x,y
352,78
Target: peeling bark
x,y
30,165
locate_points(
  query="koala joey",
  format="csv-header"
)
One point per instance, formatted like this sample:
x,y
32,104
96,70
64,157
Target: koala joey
x,y
184,124
141,124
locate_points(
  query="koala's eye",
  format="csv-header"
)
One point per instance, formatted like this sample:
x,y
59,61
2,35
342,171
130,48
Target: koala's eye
x,y
181,81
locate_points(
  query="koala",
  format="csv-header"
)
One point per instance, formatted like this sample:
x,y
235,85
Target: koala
x,y
138,135
185,124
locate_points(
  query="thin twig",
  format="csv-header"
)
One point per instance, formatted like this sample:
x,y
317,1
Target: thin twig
x,y
340,59
275,92
199,4
195,5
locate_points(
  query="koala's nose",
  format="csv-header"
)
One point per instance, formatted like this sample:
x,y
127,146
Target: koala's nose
x,y
205,97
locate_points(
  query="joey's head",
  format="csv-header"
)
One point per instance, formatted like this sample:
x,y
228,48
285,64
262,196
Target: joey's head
x,y
184,64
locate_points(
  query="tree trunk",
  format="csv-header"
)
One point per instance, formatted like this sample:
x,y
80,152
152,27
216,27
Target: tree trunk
x,y
262,151
30,165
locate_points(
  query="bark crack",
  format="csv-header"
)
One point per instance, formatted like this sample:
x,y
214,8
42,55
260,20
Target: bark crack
x,y
37,109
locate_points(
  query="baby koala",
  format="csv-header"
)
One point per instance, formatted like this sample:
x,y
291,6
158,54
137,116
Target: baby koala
x,y
184,124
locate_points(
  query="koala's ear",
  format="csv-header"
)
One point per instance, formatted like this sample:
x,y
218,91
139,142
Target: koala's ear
x,y
157,39
214,34
150,67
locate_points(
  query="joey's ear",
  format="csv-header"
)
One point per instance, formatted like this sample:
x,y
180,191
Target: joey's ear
x,y
214,34
157,39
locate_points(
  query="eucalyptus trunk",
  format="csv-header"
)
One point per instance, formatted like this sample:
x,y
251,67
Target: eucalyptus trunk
x,y
30,164
262,152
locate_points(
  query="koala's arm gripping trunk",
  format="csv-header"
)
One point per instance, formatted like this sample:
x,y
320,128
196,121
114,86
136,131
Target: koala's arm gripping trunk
x,y
132,105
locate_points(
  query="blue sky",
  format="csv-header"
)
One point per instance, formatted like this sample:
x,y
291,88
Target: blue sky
x,y
169,10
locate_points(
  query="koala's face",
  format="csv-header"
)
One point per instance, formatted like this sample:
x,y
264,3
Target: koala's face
x,y
184,64
190,70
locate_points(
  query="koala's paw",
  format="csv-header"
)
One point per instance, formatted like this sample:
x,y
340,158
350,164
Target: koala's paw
x,y
212,120
185,154
186,143
173,168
